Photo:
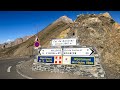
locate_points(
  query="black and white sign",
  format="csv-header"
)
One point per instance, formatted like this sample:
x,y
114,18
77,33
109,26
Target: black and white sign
x,y
64,42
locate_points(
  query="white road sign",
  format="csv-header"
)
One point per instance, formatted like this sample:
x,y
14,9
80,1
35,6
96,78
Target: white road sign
x,y
77,51
66,60
64,42
51,52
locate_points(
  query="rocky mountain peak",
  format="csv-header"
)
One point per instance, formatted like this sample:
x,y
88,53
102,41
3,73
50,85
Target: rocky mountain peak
x,y
96,30
106,15
64,19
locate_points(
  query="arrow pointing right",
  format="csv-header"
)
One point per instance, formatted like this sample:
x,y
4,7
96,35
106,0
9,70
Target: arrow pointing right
x,y
77,51
92,51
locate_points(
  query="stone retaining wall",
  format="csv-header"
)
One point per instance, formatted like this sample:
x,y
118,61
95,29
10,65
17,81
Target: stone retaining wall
x,y
95,71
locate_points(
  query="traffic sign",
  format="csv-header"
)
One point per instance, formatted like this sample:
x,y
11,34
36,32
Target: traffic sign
x,y
46,59
37,43
82,60
66,60
77,51
51,52
64,42
57,59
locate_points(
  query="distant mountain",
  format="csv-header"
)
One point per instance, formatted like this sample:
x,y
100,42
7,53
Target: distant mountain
x,y
96,30
15,42
54,30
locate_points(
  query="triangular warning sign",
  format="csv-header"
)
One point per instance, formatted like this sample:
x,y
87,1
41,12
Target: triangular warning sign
x,y
36,39
37,43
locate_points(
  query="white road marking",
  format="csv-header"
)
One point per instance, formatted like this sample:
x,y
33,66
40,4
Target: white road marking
x,y
23,75
8,70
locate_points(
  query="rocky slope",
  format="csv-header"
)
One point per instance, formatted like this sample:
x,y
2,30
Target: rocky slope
x,y
99,31
53,30
102,32
15,42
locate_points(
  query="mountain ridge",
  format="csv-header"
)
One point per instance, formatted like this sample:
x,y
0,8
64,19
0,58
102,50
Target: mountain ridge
x,y
97,30
15,42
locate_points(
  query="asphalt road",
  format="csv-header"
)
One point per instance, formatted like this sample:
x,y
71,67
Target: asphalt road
x,y
8,68
8,71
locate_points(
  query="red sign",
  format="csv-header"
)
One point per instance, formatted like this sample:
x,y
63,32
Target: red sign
x,y
57,59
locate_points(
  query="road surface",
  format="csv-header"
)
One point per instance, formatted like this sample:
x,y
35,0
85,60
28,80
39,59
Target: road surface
x,y
8,71
8,68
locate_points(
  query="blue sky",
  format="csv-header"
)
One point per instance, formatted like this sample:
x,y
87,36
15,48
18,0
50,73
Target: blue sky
x,y
16,24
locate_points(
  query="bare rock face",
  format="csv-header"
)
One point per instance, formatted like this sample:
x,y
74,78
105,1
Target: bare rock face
x,y
18,41
102,32
106,15
99,31
51,31
15,42
64,19
7,45
116,25
26,38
